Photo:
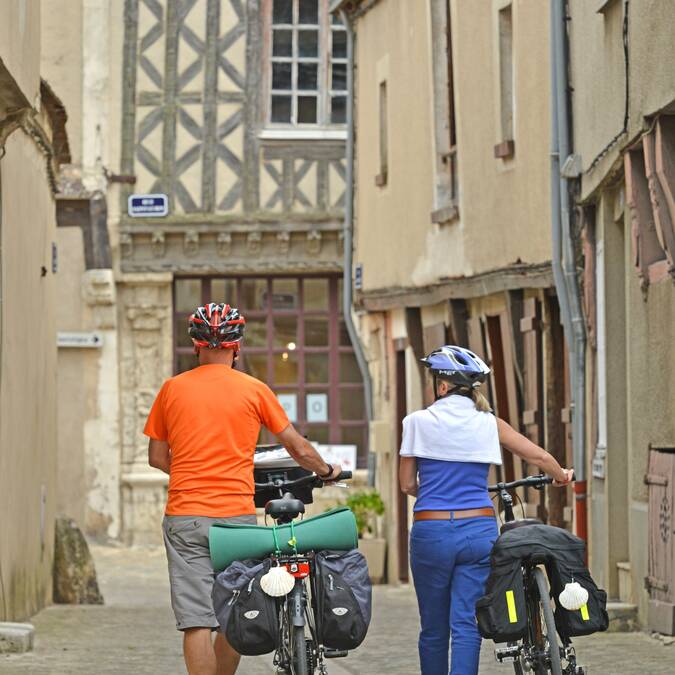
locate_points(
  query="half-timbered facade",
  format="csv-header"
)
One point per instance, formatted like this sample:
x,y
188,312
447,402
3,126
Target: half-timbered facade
x,y
236,111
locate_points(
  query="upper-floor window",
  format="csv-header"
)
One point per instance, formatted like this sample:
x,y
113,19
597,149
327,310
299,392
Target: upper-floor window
x,y
446,198
308,64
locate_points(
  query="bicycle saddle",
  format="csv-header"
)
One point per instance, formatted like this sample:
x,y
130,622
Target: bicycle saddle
x,y
519,523
288,508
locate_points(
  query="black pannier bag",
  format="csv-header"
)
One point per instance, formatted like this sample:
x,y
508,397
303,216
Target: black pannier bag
x,y
563,554
500,613
246,614
343,598
592,617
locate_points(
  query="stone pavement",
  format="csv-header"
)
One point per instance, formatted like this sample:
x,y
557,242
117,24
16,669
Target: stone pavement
x,y
134,633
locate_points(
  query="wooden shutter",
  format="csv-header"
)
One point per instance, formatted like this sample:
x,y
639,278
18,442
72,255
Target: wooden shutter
x,y
664,164
457,330
476,343
660,580
530,326
647,250
663,223
505,391
554,349
434,337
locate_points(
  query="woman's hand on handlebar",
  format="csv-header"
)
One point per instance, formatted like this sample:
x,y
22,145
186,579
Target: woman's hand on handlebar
x,y
569,477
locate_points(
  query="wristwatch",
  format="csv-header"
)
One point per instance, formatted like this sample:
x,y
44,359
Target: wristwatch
x,y
328,473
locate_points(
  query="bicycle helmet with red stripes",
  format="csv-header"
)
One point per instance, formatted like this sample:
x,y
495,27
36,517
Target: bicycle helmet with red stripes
x,y
457,365
216,326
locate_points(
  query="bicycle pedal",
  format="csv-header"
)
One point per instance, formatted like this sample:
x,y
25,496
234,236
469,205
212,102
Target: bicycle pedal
x,y
507,654
335,653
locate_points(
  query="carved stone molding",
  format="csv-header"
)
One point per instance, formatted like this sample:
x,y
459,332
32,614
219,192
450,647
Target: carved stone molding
x,y
98,291
313,245
158,242
126,245
283,242
98,287
191,243
224,244
254,243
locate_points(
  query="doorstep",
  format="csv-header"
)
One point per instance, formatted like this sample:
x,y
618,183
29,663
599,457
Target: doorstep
x,y
623,617
16,638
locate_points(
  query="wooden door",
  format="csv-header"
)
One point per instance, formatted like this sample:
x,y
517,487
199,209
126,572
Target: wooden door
x,y
660,580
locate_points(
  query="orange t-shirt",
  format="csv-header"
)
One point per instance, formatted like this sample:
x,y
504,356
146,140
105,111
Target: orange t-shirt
x,y
211,417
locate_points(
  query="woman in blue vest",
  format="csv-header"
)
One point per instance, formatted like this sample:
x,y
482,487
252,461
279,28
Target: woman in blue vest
x,y
446,454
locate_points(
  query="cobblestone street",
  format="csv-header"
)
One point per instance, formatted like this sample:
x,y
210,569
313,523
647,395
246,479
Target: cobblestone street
x,y
134,633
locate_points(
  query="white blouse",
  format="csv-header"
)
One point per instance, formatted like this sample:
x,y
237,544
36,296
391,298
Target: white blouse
x,y
451,429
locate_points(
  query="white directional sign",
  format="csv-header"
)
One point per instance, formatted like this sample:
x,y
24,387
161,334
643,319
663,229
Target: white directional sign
x,y
148,206
84,340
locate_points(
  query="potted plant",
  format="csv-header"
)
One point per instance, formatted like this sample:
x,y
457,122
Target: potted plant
x,y
367,506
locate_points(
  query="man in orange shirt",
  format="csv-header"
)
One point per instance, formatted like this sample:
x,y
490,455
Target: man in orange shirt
x,y
203,428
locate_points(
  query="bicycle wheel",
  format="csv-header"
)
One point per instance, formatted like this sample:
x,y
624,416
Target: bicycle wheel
x,y
548,637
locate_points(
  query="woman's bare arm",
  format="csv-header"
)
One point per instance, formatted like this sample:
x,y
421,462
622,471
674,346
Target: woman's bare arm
x,y
532,453
407,475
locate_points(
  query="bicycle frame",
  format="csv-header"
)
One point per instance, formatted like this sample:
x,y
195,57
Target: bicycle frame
x,y
298,608
527,654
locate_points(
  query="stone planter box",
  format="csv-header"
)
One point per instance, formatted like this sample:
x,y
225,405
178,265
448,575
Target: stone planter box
x,y
375,551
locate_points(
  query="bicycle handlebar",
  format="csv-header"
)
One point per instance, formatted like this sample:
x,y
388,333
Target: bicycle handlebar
x,y
312,480
530,481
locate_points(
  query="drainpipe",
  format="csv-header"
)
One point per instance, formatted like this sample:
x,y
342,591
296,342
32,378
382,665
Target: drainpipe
x,y
347,297
563,256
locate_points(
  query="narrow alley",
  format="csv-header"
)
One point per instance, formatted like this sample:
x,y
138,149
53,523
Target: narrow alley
x,y
134,633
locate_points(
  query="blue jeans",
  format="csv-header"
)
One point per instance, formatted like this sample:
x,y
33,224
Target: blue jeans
x,y
450,563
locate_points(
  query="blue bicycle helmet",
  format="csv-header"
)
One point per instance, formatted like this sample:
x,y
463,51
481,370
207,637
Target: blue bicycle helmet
x,y
457,365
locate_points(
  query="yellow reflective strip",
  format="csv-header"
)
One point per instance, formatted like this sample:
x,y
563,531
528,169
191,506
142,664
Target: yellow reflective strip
x,y
511,604
584,613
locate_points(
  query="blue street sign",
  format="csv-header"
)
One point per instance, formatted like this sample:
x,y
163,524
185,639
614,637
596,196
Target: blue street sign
x,y
148,206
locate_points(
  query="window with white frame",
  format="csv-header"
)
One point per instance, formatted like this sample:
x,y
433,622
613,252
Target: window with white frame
x,y
308,65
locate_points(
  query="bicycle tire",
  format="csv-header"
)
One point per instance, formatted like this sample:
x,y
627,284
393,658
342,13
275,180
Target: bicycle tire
x,y
549,620
299,654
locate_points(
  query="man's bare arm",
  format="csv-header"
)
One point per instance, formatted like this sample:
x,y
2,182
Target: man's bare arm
x,y
303,452
407,475
159,455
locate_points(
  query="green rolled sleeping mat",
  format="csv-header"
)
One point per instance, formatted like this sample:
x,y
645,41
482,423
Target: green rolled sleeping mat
x,y
335,529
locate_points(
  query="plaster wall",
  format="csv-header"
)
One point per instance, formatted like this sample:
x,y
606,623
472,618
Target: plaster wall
x,y
598,80
20,45
503,204
75,388
610,498
62,63
392,45
28,483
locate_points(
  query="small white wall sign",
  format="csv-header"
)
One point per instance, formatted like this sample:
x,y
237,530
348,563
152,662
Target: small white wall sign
x,y
317,407
289,402
344,455
82,340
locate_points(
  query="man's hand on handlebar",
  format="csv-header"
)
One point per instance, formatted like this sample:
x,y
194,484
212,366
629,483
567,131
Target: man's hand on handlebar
x,y
335,475
569,477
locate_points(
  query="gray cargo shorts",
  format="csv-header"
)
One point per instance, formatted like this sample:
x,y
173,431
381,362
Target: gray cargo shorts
x,y
191,574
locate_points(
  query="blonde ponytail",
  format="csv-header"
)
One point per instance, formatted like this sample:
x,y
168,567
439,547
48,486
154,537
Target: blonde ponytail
x,y
480,401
